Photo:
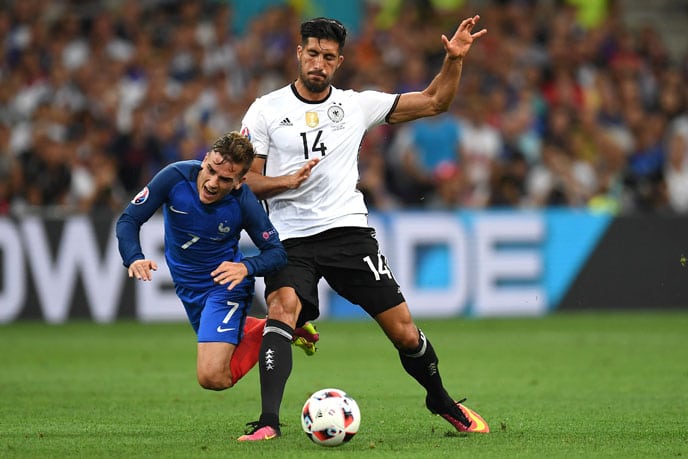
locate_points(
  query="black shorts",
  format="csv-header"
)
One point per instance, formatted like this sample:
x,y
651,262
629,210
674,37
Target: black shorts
x,y
350,261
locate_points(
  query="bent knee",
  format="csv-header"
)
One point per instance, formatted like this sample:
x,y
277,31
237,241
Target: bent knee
x,y
405,337
407,340
399,327
284,305
215,381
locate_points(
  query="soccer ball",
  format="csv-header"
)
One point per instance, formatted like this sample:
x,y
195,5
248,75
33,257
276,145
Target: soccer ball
x,y
330,417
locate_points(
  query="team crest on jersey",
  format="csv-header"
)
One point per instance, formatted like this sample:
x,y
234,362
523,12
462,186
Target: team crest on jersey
x,y
245,132
312,119
335,113
141,197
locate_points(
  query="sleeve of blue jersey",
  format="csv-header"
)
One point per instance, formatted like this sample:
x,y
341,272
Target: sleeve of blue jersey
x,y
259,228
135,215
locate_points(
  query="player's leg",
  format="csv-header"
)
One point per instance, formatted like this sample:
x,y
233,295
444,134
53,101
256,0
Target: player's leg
x,y
416,353
212,365
419,359
275,362
212,356
275,358
364,278
219,333
245,355
221,365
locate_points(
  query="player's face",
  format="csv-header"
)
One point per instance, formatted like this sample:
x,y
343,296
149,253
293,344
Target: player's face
x,y
318,59
217,178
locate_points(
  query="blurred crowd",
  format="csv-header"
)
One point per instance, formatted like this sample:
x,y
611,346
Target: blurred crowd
x,y
553,109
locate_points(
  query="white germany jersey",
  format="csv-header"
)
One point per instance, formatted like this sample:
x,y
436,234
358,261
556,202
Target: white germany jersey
x,y
287,131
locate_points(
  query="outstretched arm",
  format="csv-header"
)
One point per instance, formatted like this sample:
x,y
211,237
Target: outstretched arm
x,y
438,96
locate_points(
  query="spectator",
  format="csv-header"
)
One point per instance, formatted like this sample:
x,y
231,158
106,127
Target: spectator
x,y
611,196
645,174
9,174
434,143
509,182
47,173
138,152
452,190
373,169
676,173
481,146
95,187
549,183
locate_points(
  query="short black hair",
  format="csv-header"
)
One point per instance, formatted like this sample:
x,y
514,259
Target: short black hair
x,y
330,29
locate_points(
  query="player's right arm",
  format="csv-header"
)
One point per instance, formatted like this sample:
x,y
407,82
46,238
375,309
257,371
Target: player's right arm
x,y
266,187
256,127
140,210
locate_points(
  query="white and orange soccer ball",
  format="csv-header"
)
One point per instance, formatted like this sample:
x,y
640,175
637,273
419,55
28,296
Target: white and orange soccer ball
x,y
330,417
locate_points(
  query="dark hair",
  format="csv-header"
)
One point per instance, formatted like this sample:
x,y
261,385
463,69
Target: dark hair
x,y
330,29
236,148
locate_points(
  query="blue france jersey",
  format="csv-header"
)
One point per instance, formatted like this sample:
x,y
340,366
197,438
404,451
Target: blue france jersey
x,y
198,237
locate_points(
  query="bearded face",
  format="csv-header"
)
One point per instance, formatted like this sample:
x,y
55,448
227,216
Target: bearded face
x,y
318,60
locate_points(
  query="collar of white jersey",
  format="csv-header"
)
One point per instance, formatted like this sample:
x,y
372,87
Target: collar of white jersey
x,y
305,101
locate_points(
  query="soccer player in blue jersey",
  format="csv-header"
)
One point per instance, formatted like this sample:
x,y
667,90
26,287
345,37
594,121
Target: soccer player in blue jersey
x,y
205,207
307,137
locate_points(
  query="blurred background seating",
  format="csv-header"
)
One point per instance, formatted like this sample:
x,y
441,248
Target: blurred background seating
x,y
564,103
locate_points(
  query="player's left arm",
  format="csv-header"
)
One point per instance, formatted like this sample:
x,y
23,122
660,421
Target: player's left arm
x,y
272,255
439,94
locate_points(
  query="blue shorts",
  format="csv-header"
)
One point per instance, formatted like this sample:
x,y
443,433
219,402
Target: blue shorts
x,y
218,314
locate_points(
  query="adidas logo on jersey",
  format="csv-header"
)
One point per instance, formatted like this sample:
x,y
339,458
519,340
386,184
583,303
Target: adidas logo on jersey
x,y
285,122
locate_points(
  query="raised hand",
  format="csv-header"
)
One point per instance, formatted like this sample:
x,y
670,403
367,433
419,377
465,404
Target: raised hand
x,y
461,42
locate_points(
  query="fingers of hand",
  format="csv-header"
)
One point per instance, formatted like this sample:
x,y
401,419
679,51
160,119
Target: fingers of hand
x,y
223,277
220,278
480,33
468,24
141,271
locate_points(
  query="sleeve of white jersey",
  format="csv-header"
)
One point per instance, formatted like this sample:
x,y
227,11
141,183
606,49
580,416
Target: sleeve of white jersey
x,y
254,126
376,106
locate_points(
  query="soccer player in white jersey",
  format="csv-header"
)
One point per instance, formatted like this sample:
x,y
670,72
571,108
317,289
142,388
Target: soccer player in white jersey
x,y
307,137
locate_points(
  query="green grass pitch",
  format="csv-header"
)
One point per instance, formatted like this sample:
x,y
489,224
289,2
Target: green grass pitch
x,y
566,385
